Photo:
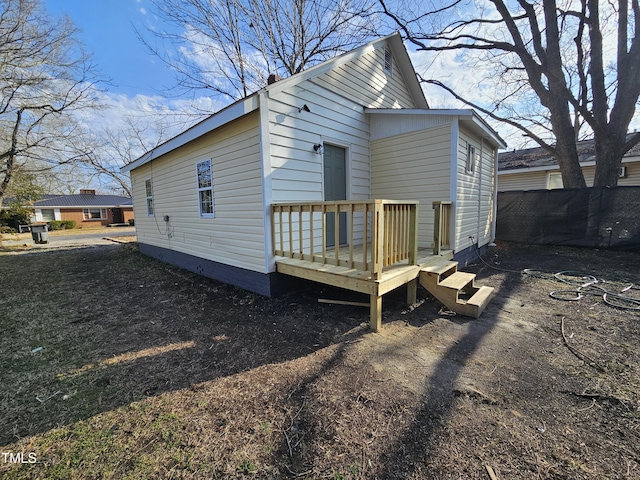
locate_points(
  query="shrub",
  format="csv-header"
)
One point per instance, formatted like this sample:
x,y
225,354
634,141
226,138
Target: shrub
x,y
14,215
131,222
62,224
6,229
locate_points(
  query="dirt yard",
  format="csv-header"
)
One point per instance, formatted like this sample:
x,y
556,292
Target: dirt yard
x,y
115,365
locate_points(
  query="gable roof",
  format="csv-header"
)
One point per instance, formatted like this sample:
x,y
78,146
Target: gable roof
x,y
83,201
251,102
537,158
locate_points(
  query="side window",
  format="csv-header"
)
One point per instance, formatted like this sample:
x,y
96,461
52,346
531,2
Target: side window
x,y
554,181
94,213
205,188
148,186
470,165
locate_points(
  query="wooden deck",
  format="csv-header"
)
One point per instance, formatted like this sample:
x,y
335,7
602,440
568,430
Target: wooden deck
x,y
382,256
361,281
393,276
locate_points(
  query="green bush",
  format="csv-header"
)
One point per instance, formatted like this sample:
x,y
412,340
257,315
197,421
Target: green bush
x,y
62,224
14,215
131,222
6,229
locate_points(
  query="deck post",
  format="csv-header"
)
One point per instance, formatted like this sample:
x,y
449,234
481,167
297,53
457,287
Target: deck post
x,y
413,235
412,291
378,238
375,307
437,227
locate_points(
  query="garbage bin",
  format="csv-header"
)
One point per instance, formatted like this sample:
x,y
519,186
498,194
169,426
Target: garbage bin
x,y
40,233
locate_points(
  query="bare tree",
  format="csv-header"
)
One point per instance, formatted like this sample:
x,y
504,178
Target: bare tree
x,y
231,46
106,151
44,75
557,77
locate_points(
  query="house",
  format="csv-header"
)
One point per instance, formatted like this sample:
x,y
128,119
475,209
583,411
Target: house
x,y
536,169
340,174
86,208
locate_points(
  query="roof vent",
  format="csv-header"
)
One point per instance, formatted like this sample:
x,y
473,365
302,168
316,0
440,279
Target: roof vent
x,y
87,192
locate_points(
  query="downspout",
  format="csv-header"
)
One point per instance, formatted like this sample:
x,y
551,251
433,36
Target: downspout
x,y
480,190
494,213
453,183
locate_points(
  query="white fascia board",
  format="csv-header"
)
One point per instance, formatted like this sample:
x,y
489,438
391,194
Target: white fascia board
x,y
407,70
544,168
419,111
480,122
67,207
224,116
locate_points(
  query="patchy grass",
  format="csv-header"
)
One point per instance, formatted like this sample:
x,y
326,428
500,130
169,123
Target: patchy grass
x,y
117,366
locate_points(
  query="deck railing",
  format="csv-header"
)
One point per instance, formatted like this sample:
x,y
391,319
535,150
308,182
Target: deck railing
x,y
441,226
379,233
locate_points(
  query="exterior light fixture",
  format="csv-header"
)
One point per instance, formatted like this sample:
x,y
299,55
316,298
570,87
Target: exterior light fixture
x,y
318,148
304,107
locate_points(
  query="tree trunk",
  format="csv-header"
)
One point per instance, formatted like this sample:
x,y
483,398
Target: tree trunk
x,y
566,150
608,160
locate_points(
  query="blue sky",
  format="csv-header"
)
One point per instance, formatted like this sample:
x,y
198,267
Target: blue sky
x,y
108,31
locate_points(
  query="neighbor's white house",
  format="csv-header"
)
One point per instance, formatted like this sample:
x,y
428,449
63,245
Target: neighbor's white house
x,y
537,169
257,183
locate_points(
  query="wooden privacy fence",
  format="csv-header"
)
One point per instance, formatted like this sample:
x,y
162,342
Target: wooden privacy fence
x,y
379,233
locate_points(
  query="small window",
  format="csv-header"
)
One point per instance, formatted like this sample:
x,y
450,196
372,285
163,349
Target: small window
x,y
388,61
205,188
472,159
148,186
48,214
94,213
554,180
622,173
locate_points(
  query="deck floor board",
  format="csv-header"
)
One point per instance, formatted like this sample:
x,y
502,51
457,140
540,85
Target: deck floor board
x,y
350,278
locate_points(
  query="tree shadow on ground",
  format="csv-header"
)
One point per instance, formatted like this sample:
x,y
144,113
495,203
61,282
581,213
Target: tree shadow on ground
x,y
410,453
117,327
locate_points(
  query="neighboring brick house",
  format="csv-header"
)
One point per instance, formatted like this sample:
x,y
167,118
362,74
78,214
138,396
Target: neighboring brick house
x,y
86,208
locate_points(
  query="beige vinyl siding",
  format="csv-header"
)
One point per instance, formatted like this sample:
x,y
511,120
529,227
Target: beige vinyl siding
x,y
236,235
414,166
296,169
633,175
365,81
537,180
522,181
385,125
475,200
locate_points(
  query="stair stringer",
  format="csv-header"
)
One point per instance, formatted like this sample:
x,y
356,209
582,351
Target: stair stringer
x,y
434,279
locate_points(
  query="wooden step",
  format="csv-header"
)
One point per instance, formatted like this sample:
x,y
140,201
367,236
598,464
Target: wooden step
x,y
446,284
458,280
443,269
478,302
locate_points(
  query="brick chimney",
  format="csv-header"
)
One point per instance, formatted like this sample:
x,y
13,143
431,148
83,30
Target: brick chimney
x,y
87,192
273,78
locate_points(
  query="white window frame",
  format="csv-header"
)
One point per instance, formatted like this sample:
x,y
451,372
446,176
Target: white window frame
x,y
472,159
87,216
42,214
388,61
554,181
149,197
204,188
